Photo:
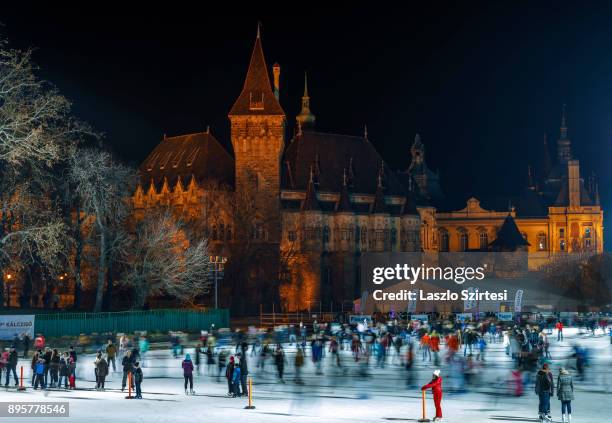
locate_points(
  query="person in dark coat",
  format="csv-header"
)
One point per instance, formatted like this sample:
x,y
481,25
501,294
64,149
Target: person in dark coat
x,y
188,373
229,373
11,366
64,370
544,388
26,345
138,376
565,394
54,368
279,358
102,372
47,357
244,372
128,365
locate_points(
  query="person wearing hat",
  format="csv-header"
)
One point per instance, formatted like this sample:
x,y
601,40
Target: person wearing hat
x,y
229,373
188,374
436,389
565,393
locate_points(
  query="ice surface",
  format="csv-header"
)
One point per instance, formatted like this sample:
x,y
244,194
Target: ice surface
x,y
333,397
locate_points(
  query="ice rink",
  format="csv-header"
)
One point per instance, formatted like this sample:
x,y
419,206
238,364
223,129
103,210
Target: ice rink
x,y
337,396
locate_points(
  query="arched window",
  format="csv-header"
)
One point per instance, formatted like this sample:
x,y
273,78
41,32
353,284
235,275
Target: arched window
x,y
484,240
464,241
325,234
444,241
542,244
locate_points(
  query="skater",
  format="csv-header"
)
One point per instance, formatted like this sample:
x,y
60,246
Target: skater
x,y
128,364
244,371
544,388
279,358
188,374
565,394
229,373
236,380
73,360
111,353
63,370
11,366
138,379
102,372
299,363
559,327
39,378
198,360
220,364
436,389
54,368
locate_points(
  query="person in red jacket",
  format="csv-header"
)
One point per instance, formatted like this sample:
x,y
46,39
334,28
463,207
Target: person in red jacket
x,y
436,388
559,327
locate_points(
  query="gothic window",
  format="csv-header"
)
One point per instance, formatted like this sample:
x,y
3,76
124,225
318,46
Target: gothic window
x,y
444,241
325,234
463,241
587,237
380,235
542,241
346,234
484,240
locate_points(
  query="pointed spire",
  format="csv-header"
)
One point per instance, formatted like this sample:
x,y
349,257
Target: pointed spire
x,y
258,29
311,202
379,198
306,118
563,143
344,204
257,97
530,182
509,237
365,131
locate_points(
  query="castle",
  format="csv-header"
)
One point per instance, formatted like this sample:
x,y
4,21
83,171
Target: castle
x,y
295,215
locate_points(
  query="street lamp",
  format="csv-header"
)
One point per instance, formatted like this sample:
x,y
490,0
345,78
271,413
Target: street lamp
x,y
217,268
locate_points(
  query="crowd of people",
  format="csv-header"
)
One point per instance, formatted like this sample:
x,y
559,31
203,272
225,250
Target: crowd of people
x,y
456,349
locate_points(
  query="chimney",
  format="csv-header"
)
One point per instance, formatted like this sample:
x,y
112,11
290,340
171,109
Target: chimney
x,y
276,72
573,179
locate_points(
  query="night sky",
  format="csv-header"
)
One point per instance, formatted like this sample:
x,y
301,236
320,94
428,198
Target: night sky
x,y
480,83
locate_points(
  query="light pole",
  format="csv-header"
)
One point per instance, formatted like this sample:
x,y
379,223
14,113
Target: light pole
x,y
217,263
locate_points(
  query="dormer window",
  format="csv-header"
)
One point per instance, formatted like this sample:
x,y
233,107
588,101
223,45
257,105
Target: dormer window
x,y
256,102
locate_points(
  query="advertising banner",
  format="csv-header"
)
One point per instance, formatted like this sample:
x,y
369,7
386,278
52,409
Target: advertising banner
x,y
11,325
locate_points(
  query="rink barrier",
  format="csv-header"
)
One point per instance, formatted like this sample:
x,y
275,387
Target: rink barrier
x,y
162,320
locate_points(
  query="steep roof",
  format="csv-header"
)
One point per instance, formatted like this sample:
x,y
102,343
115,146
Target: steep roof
x,y
198,154
508,238
332,154
257,97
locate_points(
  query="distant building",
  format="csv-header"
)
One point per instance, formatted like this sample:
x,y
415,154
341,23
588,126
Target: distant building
x,y
305,208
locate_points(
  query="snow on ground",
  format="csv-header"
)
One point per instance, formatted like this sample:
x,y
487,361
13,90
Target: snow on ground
x,y
334,397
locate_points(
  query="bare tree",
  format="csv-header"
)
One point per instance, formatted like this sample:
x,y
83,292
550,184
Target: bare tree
x,y
103,186
36,130
161,260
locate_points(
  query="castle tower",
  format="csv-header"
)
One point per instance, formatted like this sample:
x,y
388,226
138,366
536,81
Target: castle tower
x,y
258,138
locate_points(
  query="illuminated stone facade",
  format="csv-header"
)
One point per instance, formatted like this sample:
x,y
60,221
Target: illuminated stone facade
x,y
307,207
